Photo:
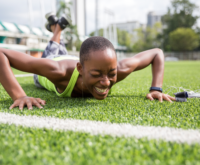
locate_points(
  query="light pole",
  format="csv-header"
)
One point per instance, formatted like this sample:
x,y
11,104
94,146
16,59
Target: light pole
x,y
42,12
111,34
96,19
85,17
30,13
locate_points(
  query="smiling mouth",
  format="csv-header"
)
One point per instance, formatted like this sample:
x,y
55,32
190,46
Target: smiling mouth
x,y
101,91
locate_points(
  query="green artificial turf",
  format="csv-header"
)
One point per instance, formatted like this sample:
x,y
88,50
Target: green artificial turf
x,y
46,147
126,104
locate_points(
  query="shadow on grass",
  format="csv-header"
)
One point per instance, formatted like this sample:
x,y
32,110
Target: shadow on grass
x,y
132,96
55,102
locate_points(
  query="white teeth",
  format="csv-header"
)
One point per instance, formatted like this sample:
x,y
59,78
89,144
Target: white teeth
x,y
101,90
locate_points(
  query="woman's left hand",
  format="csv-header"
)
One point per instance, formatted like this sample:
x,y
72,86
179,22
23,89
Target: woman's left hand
x,y
160,96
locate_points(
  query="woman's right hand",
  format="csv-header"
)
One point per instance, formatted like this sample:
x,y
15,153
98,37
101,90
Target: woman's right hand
x,y
29,102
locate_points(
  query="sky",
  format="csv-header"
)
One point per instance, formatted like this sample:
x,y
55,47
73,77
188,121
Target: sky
x,y
126,10
17,11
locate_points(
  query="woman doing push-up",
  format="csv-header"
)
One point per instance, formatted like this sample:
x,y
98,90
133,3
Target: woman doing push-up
x,y
91,76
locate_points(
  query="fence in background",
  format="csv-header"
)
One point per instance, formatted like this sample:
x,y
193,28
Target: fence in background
x,y
184,55
168,55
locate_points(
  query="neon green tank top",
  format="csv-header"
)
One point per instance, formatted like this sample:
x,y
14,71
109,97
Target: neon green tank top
x,y
51,87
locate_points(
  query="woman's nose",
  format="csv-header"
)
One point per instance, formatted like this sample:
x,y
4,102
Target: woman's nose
x,y
105,82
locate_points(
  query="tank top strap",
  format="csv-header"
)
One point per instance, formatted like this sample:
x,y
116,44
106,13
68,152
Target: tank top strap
x,y
68,91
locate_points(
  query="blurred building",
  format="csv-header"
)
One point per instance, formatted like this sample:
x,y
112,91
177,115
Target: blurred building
x,y
31,40
24,31
130,27
153,18
79,17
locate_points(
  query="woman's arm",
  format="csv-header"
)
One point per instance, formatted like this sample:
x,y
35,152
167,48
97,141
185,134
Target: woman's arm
x,y
44,67
11,85
142,60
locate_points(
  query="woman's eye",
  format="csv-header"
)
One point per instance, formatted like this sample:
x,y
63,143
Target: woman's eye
x,y
112,75
95,75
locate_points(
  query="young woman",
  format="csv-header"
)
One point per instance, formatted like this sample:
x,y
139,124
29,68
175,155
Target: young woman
x,y
94,75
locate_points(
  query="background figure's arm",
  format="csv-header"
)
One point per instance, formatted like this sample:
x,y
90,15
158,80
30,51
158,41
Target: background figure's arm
x,y
142,60
11,85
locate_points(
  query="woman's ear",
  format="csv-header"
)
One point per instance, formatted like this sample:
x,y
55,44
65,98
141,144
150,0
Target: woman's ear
x,y
79,68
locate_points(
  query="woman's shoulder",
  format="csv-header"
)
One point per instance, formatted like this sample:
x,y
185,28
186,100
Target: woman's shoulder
x,y
67,67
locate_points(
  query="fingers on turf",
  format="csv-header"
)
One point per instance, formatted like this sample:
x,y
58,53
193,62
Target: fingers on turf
x,y
172,98
165,97
37,104
43,102
21,105
29,105
12,106
160,98
29,102
149,97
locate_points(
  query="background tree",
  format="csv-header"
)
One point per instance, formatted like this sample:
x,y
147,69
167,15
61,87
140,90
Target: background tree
x,y
197,30
183,39
147,38
70,33
180,14
100,32
124,38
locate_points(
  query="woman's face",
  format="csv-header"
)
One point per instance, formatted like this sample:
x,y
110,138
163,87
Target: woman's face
x,y
99,72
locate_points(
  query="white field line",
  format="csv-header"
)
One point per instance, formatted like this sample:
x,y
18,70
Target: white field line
x,y
103,128
23,75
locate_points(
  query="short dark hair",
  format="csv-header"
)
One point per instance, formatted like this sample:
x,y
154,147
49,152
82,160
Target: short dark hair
x,y
94,44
